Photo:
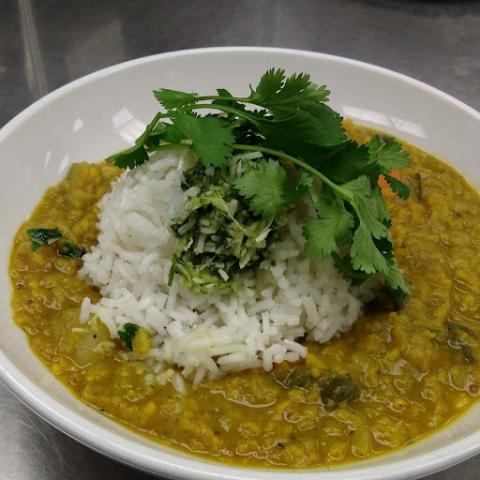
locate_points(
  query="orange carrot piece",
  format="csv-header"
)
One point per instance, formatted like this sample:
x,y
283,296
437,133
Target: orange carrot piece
x,y
382,183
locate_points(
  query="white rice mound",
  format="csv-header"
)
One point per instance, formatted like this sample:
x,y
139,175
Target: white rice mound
x,y
288,298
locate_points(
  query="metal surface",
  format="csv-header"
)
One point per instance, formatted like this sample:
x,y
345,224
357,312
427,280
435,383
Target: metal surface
x,y
47,43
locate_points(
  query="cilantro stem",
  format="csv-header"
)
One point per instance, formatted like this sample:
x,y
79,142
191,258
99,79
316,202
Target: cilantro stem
x,y
152,125
233,99
148,129
277,153
226,108
169,146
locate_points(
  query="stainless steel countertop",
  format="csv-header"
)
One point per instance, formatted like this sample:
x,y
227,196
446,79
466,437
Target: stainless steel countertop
x,y
47,43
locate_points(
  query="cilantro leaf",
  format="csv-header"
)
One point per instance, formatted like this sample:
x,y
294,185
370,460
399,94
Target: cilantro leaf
x,y
344,266
156,135
210,137
174,99
367,211
381,209
387,154
43,236
172,134
351,160
324,129
270,83
285,96
395,284
130,158
127,334
223,92
394,278
295,193
264,186
347,162
325,234
226,98
360,186
136,155
163,133
306,179
397,186
366,206
365,254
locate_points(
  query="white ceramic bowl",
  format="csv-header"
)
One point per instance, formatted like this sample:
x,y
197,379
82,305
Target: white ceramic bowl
x,y
102,113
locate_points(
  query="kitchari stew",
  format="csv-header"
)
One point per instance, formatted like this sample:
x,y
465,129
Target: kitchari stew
x,y
267,285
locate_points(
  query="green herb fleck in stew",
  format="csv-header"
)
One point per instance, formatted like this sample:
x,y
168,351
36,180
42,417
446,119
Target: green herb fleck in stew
x,y
127,334
47,236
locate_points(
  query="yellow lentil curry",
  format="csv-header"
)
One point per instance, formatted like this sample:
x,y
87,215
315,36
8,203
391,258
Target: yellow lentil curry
x,y
415,370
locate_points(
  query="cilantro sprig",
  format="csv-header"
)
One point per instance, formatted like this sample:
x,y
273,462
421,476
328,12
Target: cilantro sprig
x,y
305,156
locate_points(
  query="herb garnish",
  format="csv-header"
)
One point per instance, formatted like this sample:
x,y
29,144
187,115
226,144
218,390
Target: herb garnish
x,y
298,377
71,250
294,129
217,234
46,236
335,390
127,334
43,236
339,389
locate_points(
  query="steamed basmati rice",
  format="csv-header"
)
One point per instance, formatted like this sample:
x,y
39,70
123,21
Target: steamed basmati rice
x,y
288,298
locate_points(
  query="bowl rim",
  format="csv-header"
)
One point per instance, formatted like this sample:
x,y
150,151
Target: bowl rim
x,y
187,467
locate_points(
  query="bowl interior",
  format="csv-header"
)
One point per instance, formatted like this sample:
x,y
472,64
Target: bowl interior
x,y
104,112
